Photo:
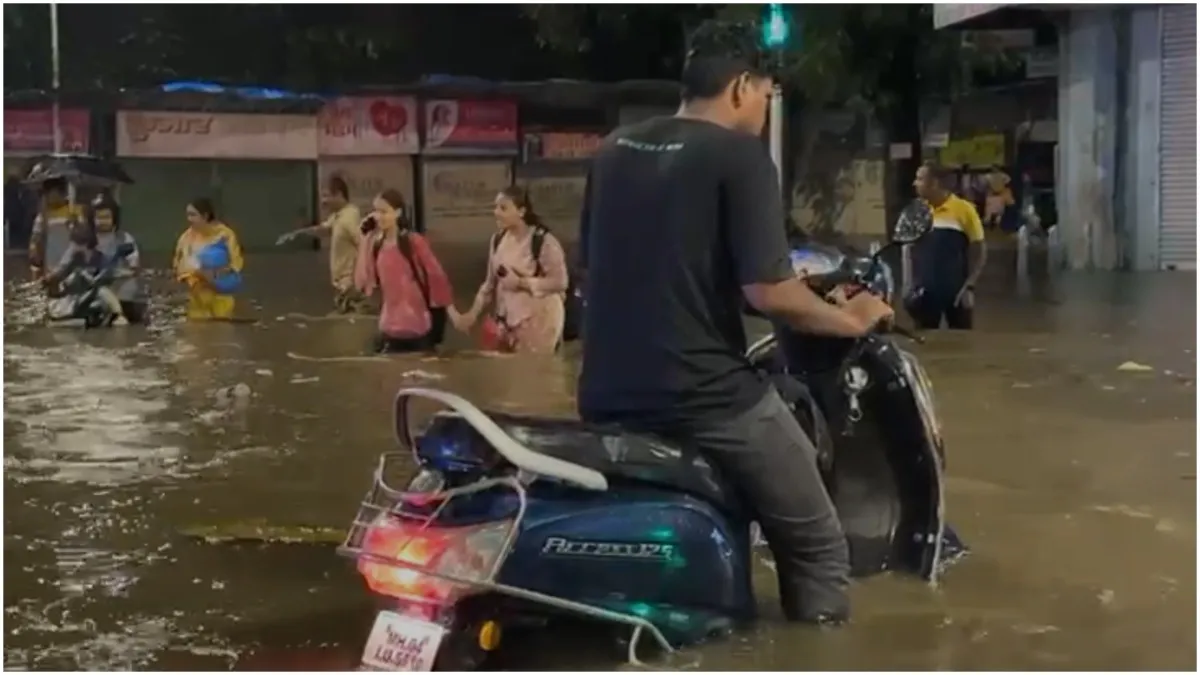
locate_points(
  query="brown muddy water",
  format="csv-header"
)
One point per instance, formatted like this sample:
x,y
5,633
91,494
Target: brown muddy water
x,y
1073,482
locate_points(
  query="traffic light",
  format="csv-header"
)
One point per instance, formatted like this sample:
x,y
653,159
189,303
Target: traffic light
x,y
775,27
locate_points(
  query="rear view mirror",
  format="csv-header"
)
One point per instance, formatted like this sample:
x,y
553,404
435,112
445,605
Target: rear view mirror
x,y
915,221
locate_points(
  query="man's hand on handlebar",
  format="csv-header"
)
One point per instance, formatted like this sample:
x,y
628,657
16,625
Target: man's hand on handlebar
x,y
872,311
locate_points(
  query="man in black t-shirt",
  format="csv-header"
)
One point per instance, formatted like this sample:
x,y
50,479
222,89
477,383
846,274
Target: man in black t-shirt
x,y
682,223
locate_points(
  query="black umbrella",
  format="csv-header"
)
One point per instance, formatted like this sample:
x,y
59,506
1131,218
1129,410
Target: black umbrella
x,y
80,170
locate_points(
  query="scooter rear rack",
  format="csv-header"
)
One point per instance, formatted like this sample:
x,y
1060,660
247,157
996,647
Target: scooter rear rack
x,y
385,499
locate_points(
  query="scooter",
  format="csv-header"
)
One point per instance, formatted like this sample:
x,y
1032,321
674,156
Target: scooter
x,y
81,299
511,520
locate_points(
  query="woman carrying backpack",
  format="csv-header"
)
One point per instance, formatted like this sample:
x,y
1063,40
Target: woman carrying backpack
x,y
526,281
414,289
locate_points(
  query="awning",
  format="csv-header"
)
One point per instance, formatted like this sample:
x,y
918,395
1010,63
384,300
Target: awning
x,y
950,14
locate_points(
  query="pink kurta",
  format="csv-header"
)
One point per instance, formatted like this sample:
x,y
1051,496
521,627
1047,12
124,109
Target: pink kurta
x,y
404,312
532,321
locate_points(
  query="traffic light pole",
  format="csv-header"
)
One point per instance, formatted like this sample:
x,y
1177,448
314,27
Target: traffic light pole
x,y
776,131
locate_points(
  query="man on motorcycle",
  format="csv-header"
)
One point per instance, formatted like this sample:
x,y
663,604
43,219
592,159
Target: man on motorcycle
x,y
682,223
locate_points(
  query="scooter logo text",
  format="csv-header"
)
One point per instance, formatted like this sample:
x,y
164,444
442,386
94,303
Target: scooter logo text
x,y
607,549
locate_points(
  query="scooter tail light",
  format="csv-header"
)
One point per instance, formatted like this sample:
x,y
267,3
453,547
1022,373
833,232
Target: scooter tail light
x,y
398,556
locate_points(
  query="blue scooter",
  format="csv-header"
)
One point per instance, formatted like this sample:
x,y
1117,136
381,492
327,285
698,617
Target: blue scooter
x,y
511,520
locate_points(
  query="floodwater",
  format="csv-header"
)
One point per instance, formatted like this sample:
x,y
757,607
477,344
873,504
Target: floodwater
x,y
1072,481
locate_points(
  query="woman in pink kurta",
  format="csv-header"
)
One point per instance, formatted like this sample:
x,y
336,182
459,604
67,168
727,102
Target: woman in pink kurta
x,y
524,294
414,288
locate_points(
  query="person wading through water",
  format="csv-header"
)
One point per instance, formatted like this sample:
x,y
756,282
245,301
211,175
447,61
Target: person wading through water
x,y
343,227
130,290
948,261
414,289
208,259
525,288
51,235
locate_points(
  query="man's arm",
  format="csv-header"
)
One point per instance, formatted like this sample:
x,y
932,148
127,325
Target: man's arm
x,y
758,241
977,244
37,243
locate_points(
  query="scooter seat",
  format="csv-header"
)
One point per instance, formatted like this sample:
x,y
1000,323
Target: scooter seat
x,y
621,455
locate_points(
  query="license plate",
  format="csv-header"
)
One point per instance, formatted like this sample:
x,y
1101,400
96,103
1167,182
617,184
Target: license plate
x,y
402,643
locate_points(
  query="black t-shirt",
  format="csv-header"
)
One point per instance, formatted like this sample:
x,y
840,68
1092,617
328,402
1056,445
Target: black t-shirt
x,y
679,214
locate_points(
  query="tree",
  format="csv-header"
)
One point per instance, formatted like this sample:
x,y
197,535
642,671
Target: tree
x,y
877,60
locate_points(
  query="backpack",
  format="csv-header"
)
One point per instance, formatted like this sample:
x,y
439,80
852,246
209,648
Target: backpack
x,y
437,315
573,304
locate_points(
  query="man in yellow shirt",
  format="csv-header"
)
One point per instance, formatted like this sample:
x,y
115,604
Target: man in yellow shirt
x,y
344,229
947,262
51,235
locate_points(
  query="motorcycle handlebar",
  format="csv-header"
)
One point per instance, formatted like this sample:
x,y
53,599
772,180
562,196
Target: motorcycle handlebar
x,y
901,330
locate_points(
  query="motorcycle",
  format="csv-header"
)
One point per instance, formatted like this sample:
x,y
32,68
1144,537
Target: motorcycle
x,y
515,520
81,301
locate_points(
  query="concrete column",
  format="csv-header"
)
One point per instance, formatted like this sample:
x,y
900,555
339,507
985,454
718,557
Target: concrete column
x,y
1140,151
1087,109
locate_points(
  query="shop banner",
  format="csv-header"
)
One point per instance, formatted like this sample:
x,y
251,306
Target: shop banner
x,y
189,135
459,198
978,152
32,131
374,125
561,145
470,127
366,177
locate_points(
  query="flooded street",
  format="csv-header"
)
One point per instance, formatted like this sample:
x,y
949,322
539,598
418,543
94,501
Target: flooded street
x,y
1072,481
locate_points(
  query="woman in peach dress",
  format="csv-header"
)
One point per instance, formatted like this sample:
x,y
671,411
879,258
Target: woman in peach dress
x,y
522,295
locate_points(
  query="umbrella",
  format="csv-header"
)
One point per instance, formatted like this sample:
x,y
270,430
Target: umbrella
x,y
80,170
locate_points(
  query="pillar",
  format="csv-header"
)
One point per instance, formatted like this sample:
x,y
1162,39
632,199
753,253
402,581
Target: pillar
x,y
1140,151
1087,130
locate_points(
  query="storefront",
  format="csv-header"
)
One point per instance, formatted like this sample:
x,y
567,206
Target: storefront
x,y
554,170
28,133
1126,169
258,170
371,143
467,158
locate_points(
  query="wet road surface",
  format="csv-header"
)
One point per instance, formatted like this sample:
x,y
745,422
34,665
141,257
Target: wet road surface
x,y
1073,482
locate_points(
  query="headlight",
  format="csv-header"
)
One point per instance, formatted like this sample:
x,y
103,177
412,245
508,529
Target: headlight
x,y
923,395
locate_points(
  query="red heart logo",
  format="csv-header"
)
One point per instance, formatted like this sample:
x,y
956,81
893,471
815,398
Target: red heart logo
x,y
389,120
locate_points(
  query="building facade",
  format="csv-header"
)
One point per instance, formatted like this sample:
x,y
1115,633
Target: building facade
x,y
1126,157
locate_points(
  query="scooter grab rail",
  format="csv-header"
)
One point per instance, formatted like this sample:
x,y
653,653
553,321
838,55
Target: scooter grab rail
x,y
515,452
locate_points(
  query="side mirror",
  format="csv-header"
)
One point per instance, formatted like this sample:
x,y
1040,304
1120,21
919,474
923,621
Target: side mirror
x,y
915,221
126,249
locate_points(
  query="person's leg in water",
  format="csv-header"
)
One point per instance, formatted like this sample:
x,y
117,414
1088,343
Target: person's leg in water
x,y
134,311
110,299
960,318
766,453
204,304
383,344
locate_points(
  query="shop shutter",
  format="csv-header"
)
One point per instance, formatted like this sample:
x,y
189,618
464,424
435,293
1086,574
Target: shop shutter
x,y
1177,179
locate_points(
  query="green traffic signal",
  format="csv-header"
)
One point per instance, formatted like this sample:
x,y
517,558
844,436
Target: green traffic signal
x,y
775,27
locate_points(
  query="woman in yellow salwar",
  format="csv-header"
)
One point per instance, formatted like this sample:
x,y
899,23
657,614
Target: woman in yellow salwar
x,y
209,260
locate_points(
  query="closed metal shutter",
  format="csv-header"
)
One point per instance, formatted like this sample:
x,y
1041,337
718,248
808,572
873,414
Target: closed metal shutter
x,y
1177,179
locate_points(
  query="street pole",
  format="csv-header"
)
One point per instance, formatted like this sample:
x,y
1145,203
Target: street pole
x,y
55,121
776,131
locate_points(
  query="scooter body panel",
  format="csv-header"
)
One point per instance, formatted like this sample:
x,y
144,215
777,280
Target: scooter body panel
x,y
644,551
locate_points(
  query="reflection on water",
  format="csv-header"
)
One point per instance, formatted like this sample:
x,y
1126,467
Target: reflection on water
x,y
1072,481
